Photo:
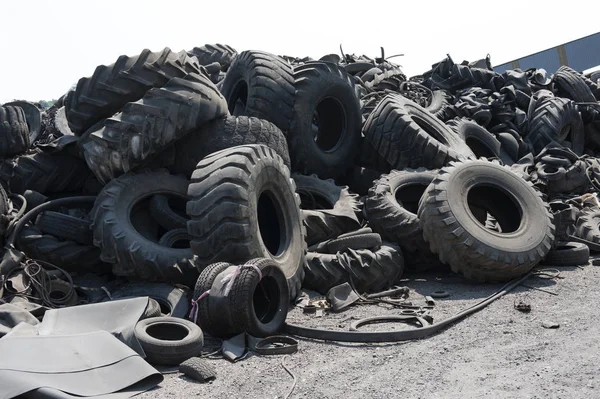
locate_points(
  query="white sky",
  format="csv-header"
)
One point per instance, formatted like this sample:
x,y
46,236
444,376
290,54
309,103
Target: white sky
x,y
47,46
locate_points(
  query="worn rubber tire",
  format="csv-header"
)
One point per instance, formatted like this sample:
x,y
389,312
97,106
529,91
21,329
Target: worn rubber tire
x,y
14,133
553,120
65,227
462,241
224,133
371,271
249,313
172,237
360,241
227,210
480,141
166,346
268,84
333,211
164,214
210,53
130,252
111,87
45,173
568,254
145,128
588,225
173,301
198,369
440,101
393,131
326,100
33,117
204,283
572,85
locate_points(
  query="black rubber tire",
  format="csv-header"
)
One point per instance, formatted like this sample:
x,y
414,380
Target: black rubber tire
x,y
407,135
14,133
65,227
162,341
144,128
392,205
328,210
33,117
509,145
198,369
360,241
123,245
210,53
459,237
267,83
572,85
440,100
554,119
259,307
69,255
173,301
568,254
44,173
173,237
371,271
231,193
480,141
152,310
162,211
111,87
326,100
588,225
209,322
67,293
224,133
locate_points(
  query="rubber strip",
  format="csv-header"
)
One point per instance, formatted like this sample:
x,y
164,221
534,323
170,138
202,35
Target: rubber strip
x,y
287,345
403,335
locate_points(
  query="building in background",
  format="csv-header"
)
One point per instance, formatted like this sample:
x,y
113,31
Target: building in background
x,y
581,54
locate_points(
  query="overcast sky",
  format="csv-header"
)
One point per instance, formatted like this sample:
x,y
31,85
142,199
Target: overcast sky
x,y
47,46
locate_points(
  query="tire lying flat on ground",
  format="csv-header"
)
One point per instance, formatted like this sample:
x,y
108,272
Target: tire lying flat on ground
x,y
243,205
454,209
568,254
324,137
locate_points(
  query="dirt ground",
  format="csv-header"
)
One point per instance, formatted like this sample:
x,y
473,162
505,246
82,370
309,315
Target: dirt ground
x,y
498,352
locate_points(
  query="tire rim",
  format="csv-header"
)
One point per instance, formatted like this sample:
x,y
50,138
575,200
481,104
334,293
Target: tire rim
x,y
329,124
167,331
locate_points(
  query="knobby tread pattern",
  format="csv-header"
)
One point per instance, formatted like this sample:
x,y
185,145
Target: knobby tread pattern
x,y
270,82
131,254
550,117
463,252
14,132
371,271
220,193
127,80
440,101
403,143
587,225
144,128
227,132
467,128
209,53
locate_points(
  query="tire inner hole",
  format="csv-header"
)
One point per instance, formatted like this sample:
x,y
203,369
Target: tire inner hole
x,y
479,148
167,332
239,99
328,124
165,309
310,200
270,223
429,130
485,201
266,299
408,196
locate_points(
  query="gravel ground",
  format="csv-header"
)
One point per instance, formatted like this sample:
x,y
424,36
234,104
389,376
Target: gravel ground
x,y
498,352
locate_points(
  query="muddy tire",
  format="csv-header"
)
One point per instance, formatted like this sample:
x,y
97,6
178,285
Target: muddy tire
x,y
127,242
324,137
111,87
328,210
453,212
242,206
224,133
14,133
260,84
407,135
146,127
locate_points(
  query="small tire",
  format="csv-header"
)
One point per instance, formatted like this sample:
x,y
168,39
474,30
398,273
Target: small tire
x,y
169,341
65,227
483,143
259,306
359,241
568,254
14,133
572,85
33,117
205,319
324,137
440,101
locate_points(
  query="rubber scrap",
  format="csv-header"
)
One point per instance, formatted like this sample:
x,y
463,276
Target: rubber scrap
x,y
198,369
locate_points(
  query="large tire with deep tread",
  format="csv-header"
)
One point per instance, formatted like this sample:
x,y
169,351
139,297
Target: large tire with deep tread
x,y
33,117
144,128
209,53
132,251
127,80
328,210
453,211
407,135
44,172
554,120
14,132
588,225
479,139
324,137
370,271
260,84
224,133
242,206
